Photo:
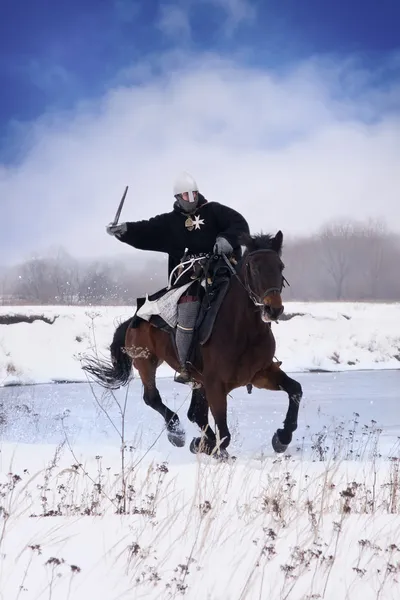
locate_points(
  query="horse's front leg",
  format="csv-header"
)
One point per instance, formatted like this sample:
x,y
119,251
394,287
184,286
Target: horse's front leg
x,y
213,396
276,379
216,395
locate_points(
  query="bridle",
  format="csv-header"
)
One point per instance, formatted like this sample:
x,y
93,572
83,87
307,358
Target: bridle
x,y
189,262
257,300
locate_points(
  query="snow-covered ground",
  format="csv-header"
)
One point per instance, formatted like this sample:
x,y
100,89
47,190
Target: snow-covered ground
x,y
278,529
323,336
321,522
76,523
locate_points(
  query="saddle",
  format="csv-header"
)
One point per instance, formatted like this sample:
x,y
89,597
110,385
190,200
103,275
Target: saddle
x,y
160,309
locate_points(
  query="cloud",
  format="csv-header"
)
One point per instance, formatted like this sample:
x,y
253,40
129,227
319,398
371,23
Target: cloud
x,y
175,19
289,150
237,12
174,22
48,76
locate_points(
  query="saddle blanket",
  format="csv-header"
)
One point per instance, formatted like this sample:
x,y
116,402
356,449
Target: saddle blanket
x,y
166,306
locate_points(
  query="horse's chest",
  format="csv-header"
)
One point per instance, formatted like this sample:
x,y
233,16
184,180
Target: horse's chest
x,y
261,355
257,353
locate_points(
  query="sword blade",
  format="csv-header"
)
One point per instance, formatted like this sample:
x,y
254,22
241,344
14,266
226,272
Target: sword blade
x,y
118,213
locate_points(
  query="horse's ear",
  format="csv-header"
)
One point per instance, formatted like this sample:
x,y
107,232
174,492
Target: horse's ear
x,y
277,242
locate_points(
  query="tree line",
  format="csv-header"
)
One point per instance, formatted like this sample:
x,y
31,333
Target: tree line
x,y
344,260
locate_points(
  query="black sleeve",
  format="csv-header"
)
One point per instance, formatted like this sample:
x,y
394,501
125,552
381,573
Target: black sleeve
x,y
151,234
231,222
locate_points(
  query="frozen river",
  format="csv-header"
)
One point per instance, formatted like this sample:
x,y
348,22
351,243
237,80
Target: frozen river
x,y
34,414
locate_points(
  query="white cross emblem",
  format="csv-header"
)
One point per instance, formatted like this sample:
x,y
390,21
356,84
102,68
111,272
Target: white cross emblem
x,y
197,222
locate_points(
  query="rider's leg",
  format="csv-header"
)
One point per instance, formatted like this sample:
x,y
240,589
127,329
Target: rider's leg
x,y
188,308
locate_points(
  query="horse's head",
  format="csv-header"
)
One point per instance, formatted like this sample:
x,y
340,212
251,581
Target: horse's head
x,y
261,272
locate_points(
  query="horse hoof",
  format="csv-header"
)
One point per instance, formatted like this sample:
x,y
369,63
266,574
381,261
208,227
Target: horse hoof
x,y
194,445
198,445
176,435
223,456
277,444
176,438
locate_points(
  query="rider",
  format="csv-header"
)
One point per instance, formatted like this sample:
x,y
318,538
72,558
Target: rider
x,y
195,225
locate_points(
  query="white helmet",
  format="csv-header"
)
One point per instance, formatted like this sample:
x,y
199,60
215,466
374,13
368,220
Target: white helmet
x,y
185,184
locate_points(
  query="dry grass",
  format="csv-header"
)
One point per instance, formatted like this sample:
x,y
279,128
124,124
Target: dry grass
x,y
279,528
133,526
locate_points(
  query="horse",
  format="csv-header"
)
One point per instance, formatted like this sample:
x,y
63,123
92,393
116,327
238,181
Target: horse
x,y
239,352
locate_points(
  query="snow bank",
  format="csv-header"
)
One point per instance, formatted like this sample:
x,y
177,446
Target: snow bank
x,y
316,336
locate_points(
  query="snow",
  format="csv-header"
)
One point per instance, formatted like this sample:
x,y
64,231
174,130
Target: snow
x,y
325,336
277,528
322,521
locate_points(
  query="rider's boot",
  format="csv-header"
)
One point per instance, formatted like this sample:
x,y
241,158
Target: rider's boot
x,y
187,314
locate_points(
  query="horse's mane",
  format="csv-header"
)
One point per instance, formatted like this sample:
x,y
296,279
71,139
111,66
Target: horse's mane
x,y
262,241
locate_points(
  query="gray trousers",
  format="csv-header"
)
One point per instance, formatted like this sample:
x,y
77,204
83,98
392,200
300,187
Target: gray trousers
x,y
188,309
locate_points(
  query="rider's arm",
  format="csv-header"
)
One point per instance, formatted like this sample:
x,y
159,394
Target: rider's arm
x,y
232,224
150,234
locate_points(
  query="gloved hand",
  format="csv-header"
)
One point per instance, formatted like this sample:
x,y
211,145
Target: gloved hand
x,y
117,229
222,246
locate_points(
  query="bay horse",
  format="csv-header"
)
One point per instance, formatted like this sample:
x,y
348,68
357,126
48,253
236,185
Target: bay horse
x,y
240,352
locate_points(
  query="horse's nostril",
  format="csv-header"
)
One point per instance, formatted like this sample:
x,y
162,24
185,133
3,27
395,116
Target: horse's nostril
x,y
274,312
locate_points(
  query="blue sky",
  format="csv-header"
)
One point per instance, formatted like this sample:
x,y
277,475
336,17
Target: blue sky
x,y
53,54
72,56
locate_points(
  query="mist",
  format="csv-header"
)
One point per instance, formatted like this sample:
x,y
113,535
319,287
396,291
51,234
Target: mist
x,y
345,260
291,150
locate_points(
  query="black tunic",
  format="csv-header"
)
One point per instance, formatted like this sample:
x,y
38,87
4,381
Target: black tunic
x,y
167,232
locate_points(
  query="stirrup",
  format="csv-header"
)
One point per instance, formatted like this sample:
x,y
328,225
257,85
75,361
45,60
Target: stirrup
x,y
183,376
180,378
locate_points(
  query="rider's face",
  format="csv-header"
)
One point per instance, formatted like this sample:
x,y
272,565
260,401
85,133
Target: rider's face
x,y
185,196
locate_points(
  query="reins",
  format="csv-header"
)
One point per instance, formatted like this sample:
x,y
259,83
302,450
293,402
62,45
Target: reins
x,y
246,286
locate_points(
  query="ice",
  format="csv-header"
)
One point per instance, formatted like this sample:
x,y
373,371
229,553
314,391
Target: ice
x,y
43,413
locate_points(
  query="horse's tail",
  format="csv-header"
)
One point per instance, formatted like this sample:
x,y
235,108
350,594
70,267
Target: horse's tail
x,y
115,372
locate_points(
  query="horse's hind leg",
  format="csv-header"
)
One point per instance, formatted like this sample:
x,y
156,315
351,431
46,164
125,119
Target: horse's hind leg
x,y
276,379
198,413
147,370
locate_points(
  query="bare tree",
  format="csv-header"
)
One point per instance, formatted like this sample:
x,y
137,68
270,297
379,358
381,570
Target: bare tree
x,y
345,260
369,245
50,279
96,285
303,269
33,283
337,254
65,274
